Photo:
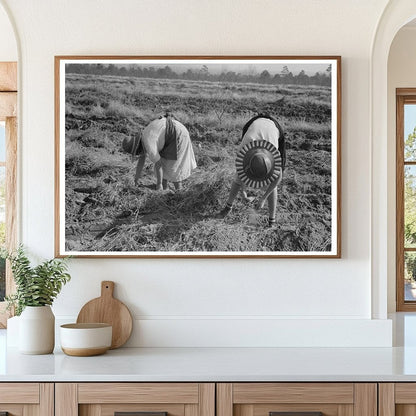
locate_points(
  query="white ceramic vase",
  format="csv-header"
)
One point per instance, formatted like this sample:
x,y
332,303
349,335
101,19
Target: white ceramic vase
x,y
37,330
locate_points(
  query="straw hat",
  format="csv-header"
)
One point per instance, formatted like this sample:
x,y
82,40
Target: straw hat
x,y
258,164
132,144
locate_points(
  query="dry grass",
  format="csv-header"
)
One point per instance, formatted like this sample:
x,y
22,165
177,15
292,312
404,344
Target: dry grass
x,y
105,211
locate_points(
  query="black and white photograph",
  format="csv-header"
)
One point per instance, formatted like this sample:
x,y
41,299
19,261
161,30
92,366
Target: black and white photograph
x,y
197,156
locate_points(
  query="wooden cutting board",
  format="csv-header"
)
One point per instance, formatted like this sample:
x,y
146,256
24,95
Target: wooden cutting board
x,y
108,310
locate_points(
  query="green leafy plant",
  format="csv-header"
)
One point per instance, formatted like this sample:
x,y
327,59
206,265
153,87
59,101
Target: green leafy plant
x,y
35,286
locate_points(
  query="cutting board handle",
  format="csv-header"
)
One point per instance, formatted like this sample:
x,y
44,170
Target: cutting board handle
x,y
107,289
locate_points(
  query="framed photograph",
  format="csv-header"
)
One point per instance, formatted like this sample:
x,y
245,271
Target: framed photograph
x,y
202,156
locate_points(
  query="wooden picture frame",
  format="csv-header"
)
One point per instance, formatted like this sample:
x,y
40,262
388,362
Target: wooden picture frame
x,y
105,206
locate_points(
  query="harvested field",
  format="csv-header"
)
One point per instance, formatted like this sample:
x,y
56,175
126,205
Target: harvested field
x,y
105,210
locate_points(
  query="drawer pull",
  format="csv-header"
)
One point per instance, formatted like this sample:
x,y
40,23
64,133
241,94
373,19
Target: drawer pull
x,y
140,414
295,414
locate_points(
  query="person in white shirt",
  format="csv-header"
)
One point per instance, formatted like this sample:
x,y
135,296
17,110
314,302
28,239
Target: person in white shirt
x,y
167,143
261,160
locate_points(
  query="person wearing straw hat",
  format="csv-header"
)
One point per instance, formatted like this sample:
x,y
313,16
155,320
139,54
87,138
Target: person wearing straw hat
x,y
167,143
260,163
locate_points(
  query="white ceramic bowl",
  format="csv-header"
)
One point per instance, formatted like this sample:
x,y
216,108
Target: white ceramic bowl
x,y
83,340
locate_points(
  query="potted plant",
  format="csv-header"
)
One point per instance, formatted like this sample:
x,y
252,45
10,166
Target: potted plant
x,y
36,289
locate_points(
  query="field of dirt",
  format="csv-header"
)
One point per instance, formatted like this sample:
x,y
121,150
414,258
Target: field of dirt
x,y
106,211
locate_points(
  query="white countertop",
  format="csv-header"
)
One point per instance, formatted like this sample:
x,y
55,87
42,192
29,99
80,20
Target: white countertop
x,y
221,364
215,364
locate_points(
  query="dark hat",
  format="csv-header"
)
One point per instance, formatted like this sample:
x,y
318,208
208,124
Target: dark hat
x,y
258,163
132,145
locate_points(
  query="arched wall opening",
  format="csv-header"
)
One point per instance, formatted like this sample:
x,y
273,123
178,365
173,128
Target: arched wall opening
x,y
8,137
396,15
401,74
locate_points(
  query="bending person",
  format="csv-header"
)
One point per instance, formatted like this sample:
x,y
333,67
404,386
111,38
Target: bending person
x,y
260,162
167,143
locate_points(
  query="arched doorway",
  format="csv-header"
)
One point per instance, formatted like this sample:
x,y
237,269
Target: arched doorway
x,y
8,150
395,16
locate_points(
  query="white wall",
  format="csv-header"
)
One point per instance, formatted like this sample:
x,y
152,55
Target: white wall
x,y
200,300
8,47
401,74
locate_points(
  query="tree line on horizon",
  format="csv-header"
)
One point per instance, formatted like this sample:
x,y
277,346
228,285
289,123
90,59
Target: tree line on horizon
x,y
202,74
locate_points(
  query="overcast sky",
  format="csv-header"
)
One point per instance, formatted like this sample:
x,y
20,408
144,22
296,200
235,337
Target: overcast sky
x,y
252,69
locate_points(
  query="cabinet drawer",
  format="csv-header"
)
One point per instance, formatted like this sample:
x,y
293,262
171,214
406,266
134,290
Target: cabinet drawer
x,y
147,399
21,399
138,393
19,393
296,399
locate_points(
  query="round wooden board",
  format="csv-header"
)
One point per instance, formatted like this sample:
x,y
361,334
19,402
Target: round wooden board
x,y
109,310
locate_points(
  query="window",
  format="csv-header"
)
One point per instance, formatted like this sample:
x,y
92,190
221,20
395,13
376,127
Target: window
x,y
8,169
406,199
